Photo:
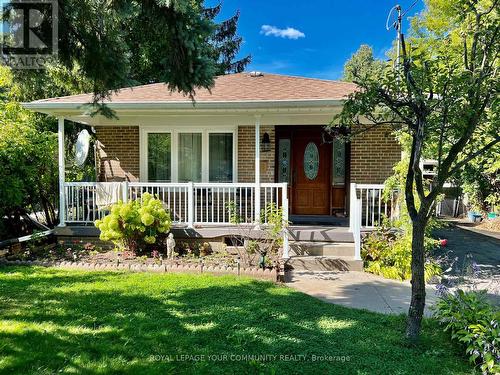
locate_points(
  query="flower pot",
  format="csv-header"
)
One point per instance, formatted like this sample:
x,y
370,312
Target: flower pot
x,y
492,215
474,217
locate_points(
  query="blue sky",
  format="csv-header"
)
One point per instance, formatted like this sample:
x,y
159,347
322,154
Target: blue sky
x,y
311,38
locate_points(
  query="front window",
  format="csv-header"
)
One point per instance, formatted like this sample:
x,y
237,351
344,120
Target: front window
x,y
185,156
189,157
220,157
159,163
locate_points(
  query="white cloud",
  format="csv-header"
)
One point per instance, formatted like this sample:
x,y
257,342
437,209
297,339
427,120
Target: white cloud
x,y
289,32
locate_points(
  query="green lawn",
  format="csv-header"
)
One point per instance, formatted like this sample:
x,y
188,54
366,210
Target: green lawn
x,y
55,321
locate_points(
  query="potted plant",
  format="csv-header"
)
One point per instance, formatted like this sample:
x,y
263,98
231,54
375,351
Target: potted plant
x,y
494,201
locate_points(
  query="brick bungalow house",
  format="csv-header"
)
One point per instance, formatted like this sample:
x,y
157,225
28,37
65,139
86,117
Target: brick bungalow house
x,y
253,138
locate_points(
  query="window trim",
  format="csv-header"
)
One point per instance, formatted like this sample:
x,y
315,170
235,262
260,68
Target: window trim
x,y
174,156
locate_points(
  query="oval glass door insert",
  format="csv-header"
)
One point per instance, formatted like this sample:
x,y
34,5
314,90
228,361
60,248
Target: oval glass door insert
x,y
311,161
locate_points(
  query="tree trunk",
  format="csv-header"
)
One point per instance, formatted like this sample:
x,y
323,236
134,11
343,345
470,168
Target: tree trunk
x,y
417,304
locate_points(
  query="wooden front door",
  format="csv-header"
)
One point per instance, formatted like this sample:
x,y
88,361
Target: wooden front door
x,y
311,169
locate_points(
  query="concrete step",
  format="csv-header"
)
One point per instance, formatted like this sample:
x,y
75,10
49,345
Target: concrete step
x,y
325,263
319,233
302,248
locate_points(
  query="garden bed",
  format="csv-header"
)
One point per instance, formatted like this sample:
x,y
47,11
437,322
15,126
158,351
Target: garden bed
x,y
194,256
492,225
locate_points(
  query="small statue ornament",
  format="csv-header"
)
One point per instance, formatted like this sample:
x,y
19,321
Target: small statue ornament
x,y
170,246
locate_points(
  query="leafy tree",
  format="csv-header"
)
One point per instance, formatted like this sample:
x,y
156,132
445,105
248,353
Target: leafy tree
x,y
444,96
28,157
362,64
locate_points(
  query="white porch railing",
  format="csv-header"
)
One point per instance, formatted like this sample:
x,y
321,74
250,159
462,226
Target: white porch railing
x,y
368,209
189,203
374,208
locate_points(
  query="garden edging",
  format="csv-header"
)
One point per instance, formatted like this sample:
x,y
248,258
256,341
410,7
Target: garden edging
x,y
263,274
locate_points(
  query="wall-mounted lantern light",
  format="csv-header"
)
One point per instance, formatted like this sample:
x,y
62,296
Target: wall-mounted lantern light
x,y
266,143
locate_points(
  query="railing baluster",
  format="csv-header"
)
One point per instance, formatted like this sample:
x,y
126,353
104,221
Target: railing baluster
x,y
246,203
206,198
373,207
94,206
379,206
367,205
252,200
78,203
223,206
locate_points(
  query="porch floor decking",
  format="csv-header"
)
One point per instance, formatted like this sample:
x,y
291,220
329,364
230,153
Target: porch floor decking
x,y
312,233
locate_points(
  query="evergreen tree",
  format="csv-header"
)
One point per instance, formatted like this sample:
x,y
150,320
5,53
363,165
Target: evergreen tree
x,y
226,43
116,44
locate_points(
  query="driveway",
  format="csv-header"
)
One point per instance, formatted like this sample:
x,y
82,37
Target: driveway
x,y
465,247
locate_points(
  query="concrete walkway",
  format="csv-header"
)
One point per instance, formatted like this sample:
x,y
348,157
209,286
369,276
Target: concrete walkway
x,y
363,290
360,290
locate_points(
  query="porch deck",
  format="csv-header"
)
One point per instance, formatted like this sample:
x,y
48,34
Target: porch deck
x,y
303,233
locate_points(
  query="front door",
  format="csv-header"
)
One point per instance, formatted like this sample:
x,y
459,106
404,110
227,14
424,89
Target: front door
x,y
311,168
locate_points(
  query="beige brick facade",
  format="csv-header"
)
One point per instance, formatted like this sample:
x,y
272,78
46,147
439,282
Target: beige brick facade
x,y
373,156
118,153
246,154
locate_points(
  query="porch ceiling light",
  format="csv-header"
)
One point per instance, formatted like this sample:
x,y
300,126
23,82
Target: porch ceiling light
x,y
266,143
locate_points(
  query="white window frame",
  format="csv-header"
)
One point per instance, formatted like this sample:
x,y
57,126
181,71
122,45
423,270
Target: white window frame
x,y
143,153
189,131
174,149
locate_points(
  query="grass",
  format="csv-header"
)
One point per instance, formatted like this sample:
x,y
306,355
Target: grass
x,y
56,321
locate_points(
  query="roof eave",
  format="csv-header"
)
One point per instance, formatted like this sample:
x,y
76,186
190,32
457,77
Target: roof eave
x,y
52,107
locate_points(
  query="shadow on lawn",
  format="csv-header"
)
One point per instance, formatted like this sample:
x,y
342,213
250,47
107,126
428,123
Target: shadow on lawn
x,y
111,322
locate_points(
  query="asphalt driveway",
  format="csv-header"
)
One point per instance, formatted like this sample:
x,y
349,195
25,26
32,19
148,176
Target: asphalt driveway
x,y
464,248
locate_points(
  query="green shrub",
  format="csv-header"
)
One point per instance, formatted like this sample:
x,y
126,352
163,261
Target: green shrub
x,y
135,224
472,322
387,252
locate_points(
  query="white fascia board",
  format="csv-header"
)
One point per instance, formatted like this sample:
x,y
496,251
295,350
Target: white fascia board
x,y
58,107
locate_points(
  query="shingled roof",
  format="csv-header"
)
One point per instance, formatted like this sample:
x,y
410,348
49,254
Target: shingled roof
x,y
230,88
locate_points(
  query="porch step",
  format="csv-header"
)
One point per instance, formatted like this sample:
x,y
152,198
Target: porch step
x,y
319,233
302,248
325,263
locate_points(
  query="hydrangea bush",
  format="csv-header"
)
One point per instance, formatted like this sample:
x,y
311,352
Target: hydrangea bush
x,y
135,224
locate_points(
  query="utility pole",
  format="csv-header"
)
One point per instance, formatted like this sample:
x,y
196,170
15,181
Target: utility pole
x,y
397,24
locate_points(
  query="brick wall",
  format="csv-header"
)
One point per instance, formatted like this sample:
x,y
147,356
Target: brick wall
x,y
373,155
118,153
246,155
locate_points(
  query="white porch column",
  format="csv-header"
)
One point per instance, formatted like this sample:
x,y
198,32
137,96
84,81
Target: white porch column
x,y
62,172
257,168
